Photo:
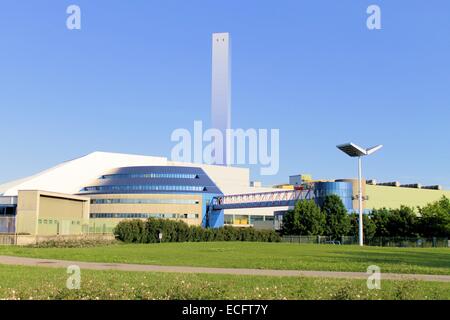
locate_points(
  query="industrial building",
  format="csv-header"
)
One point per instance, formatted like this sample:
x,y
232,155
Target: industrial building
x,y
93,193
376,195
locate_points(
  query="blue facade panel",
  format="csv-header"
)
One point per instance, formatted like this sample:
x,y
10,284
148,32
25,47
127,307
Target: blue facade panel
x,y
342,189
160,180
153,179
211,219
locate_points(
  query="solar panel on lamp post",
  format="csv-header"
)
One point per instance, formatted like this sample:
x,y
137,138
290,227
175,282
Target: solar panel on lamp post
x,y
354,150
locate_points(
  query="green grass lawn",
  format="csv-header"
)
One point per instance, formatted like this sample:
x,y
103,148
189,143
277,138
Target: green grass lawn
x,y
18,282
255,255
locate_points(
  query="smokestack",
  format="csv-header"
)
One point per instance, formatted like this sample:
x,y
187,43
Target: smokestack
x,y
221,89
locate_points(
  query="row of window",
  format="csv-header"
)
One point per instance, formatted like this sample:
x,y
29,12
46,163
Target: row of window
x,y
145,188
51,221
145,215
144,201
245,219
151,175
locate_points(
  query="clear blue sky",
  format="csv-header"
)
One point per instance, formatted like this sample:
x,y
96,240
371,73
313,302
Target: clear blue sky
x,y
139,69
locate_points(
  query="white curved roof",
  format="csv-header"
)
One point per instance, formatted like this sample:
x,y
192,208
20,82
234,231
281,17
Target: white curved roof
x,y
71,176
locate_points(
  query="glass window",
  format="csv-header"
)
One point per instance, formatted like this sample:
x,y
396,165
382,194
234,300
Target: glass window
x,y
146,188
256,218
241,219
228,218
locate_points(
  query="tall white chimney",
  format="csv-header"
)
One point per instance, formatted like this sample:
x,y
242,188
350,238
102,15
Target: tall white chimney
x,y
221,88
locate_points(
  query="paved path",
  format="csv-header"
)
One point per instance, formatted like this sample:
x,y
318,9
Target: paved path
x,y
9,260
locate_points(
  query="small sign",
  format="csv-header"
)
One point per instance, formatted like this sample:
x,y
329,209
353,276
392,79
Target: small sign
x,y
160,236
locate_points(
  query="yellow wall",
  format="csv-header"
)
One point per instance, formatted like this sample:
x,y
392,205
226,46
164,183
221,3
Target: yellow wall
x,y
284,186
60,207
145,207
49,213
393,197
27,210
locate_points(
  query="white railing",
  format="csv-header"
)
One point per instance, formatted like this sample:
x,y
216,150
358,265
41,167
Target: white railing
x,y
275,196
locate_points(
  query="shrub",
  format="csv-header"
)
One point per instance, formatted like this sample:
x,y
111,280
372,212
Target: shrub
x,y
138,231
305,219
72,243
195,234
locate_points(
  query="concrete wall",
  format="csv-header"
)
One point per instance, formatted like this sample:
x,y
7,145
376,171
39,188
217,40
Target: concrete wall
x,y
27,212
163,208
394,197
49,213
24,240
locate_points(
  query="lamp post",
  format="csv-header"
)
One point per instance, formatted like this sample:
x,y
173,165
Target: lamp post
x,y
354,150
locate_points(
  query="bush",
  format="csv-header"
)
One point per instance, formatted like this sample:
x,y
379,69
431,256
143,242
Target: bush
x,y
138,231
72,243
305,219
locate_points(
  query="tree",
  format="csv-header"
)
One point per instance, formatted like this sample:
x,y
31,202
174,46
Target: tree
x,y
336,217
380,218
369,227
400,222
435,219
403,222
305,219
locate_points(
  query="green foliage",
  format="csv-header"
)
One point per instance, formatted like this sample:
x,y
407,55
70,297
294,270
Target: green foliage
x,y
134,231
395,222
37,283
435,219
369,227
336,217
305,219
403,222
69,243
137,231
380,218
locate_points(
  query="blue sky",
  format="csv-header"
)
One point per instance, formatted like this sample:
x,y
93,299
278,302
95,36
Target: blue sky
x,y
137,70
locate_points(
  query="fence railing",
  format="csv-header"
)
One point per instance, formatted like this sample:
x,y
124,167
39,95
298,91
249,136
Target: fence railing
x,y
376,241
319,239
409,242
7,239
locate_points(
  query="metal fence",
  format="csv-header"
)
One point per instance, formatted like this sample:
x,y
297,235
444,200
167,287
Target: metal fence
x,y
409,242
7,239
376,241
98,227
319,240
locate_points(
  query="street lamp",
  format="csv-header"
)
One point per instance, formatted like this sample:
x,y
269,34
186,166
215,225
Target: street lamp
x,y
353,150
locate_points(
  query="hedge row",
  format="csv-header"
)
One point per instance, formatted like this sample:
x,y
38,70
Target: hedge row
x,y
138,231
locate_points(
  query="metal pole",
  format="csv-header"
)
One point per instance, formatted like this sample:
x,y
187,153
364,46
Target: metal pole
x,y
361,240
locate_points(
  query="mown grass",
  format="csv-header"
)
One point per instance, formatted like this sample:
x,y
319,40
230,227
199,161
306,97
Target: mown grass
x,y
25,283
255,255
